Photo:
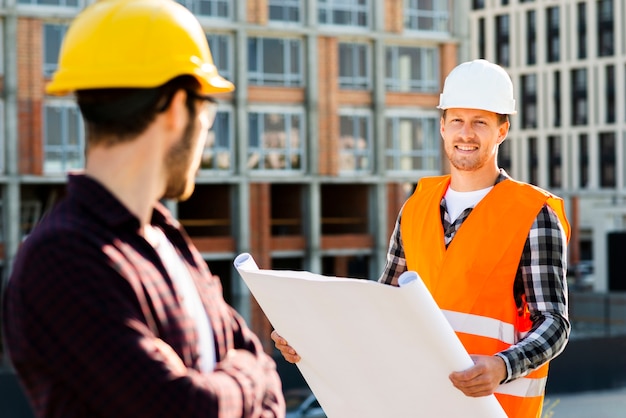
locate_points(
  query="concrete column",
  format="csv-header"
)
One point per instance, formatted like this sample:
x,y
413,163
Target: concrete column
x,y
11,191
241,195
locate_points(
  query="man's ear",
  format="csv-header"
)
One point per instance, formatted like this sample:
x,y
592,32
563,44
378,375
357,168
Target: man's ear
x,y
175,115
503,131
441,127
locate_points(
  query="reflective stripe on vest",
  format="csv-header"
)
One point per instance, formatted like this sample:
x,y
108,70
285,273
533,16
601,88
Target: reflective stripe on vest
x,y
524,386
481,326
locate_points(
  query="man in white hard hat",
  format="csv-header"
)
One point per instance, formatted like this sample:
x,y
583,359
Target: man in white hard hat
x,y
491,250
110,310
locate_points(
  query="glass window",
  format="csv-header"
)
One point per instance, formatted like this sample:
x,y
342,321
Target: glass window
x,y
222,53
581,27
556,99
209,8
344,12
529,101
610,98
64,142
412,144
478,4
482,40
554,162
583,160
276,140
412,69
502,41
533,161
219,152
52,37
504,156
354,66
275,62
607,161
355,142
531,37
285,11
579,97
426,15
553,36
606,43
64,3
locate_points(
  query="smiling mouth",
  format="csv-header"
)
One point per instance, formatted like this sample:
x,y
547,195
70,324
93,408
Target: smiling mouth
x,y
466,147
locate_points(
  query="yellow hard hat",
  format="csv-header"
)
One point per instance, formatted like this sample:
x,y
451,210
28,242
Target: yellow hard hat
x,y
134,44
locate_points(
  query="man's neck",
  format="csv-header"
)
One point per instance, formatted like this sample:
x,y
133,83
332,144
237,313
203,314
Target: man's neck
x,y
469,181
131,173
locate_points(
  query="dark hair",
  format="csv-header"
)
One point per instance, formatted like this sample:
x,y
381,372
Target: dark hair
x,y
502,118
119,114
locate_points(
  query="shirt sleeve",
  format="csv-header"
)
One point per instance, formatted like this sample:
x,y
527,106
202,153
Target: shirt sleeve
x,y
396,262
542,270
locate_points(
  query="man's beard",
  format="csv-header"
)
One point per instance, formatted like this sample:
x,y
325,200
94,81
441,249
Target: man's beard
x,y
180,183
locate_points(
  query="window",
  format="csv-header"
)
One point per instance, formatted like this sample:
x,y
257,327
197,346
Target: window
x,y
579,97
529,101
478,4
607,160
275,62
64,141
412,69
552,32
355,142
606,43
344,12
285,11
354,66
219,150
533,161
209,8
222,53
426,15
554,162
583,160
276,140
610,93
502,40
504,156
64,3
482,46
581,17
556,99
531,37
412,143
52,38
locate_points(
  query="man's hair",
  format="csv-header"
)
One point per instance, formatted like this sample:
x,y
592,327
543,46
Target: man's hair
x,y
502,118
117,115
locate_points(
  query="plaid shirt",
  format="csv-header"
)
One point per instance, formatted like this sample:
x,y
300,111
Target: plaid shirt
x,y
540,276
85,308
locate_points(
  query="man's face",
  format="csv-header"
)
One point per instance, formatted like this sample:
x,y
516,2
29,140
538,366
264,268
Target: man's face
x,y
471,138
183,159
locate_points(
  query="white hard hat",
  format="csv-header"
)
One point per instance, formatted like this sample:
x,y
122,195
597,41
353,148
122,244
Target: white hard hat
x,y
478,84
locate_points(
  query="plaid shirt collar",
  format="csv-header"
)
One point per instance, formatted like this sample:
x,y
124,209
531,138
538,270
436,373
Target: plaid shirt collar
x,y
450,228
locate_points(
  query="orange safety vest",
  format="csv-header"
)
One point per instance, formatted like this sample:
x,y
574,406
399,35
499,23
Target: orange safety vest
x,y
472,280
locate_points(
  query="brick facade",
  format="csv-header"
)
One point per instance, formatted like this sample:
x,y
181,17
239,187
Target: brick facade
x,y
328,138
30,95
257,11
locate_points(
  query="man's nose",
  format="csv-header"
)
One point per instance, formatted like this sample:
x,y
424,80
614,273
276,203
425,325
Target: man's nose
x,y
466,130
